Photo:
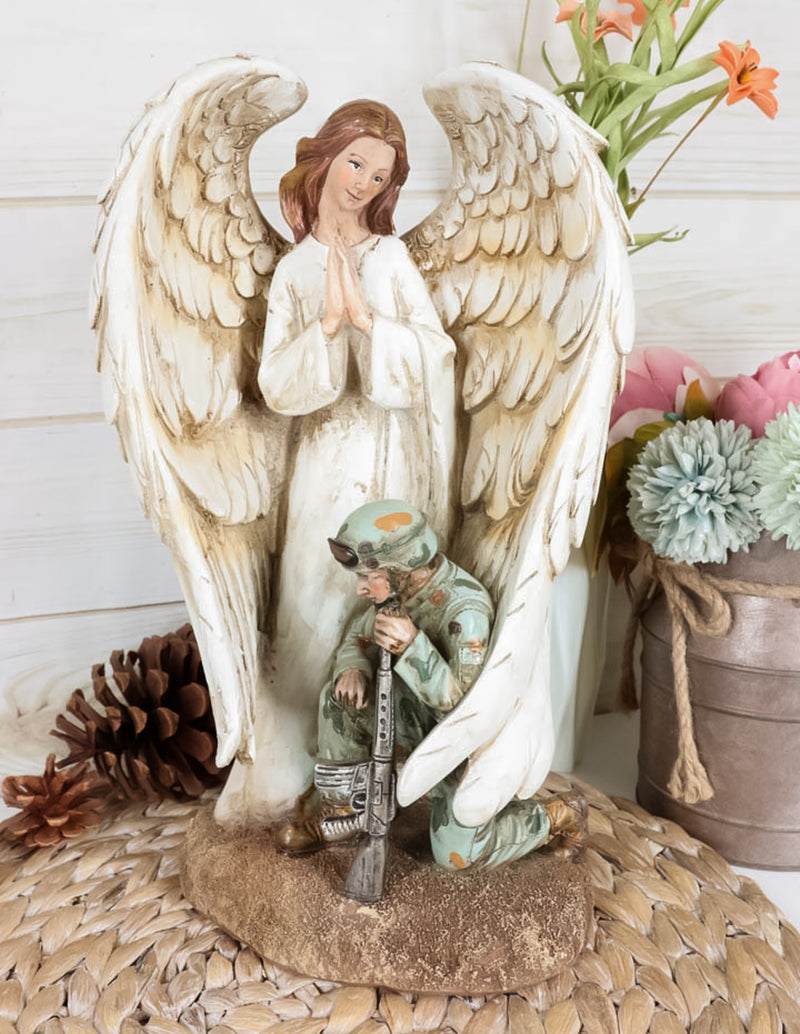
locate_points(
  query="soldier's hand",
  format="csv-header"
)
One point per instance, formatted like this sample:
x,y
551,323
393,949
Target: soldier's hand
x,y
394,632
351,689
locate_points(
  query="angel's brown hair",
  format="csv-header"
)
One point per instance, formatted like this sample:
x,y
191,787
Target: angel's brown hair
x,y
301,188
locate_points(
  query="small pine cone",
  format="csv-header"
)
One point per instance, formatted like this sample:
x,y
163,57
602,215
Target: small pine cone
x,y
156,736
54,806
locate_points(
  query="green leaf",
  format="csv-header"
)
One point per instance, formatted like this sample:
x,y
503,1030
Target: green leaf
x,y
583,47
697,405
661,118
623,187
619,460
647,432
671,112
683,74
673,6
644,41
626,74
593,539
651,84
700,12
666,38
592,7
570,91
644,240
640,120
613,152
598,101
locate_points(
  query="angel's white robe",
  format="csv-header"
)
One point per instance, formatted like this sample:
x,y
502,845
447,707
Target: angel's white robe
x,y
375,418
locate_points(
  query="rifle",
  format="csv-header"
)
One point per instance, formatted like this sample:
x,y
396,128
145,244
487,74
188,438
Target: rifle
x,y
370,788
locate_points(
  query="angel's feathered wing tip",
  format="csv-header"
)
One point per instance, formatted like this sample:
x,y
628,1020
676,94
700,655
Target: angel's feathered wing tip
x,y
227,69
483,78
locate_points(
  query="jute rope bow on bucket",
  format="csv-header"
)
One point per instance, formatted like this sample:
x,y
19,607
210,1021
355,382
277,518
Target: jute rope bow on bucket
x,y
697,603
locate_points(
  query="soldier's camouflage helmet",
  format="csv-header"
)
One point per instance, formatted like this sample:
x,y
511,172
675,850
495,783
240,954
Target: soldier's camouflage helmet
x,y
389,534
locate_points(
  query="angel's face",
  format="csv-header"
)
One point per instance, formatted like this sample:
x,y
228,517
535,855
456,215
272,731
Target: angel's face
x,y
374,586
358,174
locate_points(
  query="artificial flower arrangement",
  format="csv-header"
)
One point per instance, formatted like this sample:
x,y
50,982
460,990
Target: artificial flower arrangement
x,y
699,469
696,471
620,98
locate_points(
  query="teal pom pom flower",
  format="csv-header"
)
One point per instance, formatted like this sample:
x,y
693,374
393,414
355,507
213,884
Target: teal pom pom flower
x,y
693,492
776,463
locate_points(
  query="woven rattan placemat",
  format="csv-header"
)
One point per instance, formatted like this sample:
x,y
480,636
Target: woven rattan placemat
x,y
95,935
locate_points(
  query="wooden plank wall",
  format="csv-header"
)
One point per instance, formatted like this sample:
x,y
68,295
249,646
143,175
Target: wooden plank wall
x,y
81,571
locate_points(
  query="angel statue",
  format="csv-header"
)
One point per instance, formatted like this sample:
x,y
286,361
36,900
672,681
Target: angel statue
x,y
263,392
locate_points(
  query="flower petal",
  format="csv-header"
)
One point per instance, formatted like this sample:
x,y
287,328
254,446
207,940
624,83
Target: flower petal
x,y
566,10
747,80
613,21
746,403
630,421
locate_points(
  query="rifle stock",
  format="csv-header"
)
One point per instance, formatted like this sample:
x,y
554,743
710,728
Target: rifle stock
x,y
365,880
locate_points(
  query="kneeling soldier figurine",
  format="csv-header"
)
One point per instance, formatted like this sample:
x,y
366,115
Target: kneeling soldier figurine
x,y
434,620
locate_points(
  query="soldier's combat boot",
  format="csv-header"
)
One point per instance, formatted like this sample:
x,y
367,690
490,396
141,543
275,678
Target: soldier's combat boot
x,y
569,823
303,833
299,836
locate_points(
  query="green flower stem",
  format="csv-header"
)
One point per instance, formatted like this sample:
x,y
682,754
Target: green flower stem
x,y
591,8
660,119
697,18
650,85
675,150
640,55
523,35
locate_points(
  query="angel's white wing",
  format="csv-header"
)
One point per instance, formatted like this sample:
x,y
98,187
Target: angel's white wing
x,y
183,264
526,258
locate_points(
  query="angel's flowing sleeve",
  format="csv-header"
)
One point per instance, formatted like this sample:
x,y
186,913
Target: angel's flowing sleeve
x,y
301,370
406,333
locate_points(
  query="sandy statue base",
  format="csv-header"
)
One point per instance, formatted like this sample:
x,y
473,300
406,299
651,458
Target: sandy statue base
x,y
462,933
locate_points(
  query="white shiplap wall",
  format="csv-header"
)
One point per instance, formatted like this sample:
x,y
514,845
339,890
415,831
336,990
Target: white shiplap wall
x,y
81,571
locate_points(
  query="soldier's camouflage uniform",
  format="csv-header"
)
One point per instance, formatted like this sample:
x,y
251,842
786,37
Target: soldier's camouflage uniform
x,y
453,614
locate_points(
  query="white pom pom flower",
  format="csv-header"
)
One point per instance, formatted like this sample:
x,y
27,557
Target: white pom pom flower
x,y
776,463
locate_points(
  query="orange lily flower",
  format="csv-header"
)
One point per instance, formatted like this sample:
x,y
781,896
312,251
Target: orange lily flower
x,y
566,9
613,21
640,12
608,21
746,78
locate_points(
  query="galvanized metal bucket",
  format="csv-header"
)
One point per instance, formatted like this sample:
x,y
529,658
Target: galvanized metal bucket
x,y
745,691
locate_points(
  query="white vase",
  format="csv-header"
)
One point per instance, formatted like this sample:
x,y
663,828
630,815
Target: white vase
x,y
578,612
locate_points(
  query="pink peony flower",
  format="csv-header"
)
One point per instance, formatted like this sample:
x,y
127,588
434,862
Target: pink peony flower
x,y
756,400
656,382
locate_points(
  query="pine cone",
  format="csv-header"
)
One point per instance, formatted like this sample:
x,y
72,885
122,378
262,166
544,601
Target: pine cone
x,y
156,736
55,806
